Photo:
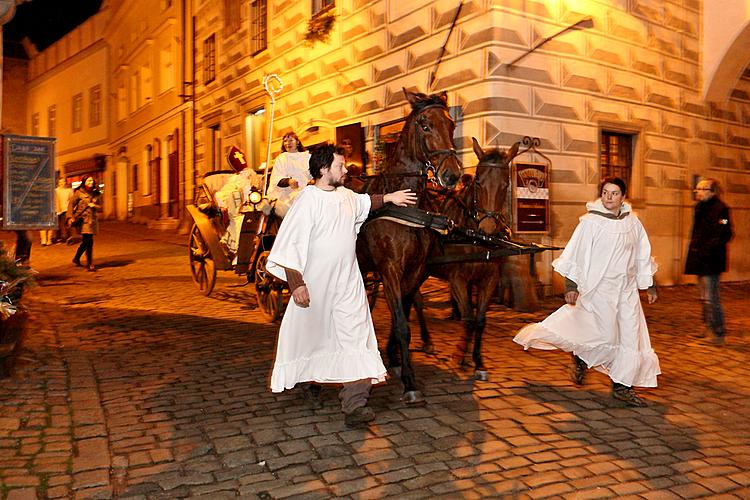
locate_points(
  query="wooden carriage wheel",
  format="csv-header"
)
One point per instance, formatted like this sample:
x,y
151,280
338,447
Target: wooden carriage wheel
x,y
267,293
202,265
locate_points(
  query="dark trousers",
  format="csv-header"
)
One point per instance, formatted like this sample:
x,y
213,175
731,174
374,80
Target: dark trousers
x,y
713,314
87,245
62,228
23,247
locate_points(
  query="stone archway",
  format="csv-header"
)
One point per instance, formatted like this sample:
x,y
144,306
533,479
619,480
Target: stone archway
x,y
726,47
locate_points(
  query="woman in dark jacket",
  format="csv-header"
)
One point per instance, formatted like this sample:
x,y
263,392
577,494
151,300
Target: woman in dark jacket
x,y
82,209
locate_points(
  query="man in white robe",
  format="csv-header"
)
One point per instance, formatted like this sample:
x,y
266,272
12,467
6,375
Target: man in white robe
x,y
327,335
605,263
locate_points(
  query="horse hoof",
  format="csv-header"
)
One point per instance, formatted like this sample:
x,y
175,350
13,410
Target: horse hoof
x,y
395,371
412,398
481,375
428,349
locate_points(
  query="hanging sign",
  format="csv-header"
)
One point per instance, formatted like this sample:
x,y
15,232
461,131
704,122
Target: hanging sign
x,y
532,197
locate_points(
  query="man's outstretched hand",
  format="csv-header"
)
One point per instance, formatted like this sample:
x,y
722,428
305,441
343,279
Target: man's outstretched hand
x,y
401,198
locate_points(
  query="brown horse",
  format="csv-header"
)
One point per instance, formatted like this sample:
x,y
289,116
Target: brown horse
x,y
397,252
480,206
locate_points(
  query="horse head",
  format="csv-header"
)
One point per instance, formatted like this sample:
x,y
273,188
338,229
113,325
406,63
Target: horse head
x,y
490,187
428,137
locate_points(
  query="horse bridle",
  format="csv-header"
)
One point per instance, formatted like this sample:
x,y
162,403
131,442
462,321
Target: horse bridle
x,y
428,166
480,214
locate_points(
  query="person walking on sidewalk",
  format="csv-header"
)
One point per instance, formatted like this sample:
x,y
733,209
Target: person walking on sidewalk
x,y
707,253
82,208
605,263
327,335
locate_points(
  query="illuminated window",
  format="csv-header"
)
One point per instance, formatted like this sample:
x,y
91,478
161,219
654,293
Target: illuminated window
x,y
35,124
616,155
209,59
258,26
52,121
77,123
319,6
95,106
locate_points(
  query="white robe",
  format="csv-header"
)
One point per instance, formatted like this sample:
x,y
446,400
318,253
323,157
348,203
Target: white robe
x,y
609,259
332,340
294,165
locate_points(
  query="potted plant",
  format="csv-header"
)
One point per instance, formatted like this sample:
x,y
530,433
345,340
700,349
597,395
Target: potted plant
x,y
14,279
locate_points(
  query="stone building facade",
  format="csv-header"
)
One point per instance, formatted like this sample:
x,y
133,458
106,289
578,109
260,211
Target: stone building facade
x,y
113,93
634,75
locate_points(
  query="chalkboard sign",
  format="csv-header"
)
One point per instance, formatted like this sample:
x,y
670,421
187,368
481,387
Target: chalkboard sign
x,y
28,182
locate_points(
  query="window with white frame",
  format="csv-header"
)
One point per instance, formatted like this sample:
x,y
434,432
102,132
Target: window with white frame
x,y
166,68
35,124
52,120
209,59
77,116
616,155
95,106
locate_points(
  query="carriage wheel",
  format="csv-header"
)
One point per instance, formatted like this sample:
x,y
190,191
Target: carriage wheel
x,y
266,292
202,265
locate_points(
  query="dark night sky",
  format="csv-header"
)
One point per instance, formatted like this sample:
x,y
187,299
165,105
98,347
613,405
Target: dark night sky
x,y
46,21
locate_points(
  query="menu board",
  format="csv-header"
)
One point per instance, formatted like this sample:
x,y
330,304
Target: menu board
x,y
28,182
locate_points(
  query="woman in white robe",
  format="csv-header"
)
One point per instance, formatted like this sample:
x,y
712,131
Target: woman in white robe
x,y
290,173
605,263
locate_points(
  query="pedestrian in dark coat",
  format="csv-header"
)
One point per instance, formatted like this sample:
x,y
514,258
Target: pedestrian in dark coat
x,y
82,209
707,254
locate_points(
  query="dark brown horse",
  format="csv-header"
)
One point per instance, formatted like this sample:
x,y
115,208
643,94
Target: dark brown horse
x,y
397,252
480,206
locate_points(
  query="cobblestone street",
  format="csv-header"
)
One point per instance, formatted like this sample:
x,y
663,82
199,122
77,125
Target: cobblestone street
x,y
133,385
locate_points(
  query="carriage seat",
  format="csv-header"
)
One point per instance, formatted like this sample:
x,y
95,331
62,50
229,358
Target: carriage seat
x,y
212,183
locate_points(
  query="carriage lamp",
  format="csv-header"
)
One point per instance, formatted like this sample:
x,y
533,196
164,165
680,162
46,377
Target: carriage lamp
x,y
255,197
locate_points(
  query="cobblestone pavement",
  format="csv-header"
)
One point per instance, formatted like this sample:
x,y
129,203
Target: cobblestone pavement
x,y
133,385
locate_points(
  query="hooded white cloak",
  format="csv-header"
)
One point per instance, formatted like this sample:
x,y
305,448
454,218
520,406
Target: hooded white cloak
x,y
332,340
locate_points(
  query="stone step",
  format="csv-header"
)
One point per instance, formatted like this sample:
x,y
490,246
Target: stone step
x,y
165,224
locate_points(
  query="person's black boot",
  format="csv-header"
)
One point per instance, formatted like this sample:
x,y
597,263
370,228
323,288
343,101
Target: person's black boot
x,y
627,395
579,370
311,394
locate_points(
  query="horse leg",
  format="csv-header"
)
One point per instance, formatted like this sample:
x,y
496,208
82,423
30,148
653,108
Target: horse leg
x,y
401,336
461,292
427,346
483,300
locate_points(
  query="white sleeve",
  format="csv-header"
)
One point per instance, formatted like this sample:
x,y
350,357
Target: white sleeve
x,y
293,240
645,265
363,209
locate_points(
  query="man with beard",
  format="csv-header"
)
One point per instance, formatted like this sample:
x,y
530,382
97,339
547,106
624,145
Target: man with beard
x,y
327,335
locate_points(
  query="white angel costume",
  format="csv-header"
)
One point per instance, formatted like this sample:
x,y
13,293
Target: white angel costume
x,y
332,340
609,258
294,165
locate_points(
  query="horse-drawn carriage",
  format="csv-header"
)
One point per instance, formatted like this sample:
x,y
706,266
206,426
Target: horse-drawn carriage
x,y
256,227
400,247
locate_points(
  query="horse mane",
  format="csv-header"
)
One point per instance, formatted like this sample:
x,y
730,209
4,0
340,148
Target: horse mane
x,y
425,100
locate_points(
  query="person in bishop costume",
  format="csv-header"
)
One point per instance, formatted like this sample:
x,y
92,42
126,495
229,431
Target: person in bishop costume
x,y
290,173
327,335
605,263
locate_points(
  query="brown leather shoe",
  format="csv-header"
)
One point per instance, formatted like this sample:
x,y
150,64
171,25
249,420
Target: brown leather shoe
x,y
359,417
